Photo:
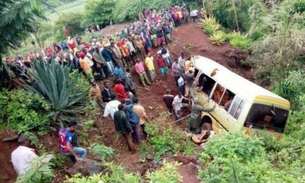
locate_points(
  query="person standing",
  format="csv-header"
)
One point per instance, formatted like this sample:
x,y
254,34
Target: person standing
x,y
134,122
175,71
110,108
99,63
95,93
139,67
106,53
181,85
166,55
68,143
130,83
140,111
140,46
84,64
107,94
189,80
181,64
168,99
162,65
120,90
122,126
195,124
177,105
149,62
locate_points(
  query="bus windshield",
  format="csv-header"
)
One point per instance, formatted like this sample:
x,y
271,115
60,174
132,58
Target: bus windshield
x,y
267,117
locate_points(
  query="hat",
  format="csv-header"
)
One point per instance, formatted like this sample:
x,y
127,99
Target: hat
x,y
81,54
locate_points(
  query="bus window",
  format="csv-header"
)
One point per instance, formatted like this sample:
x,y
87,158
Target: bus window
x,y
267,117
205,84
236,107
228,103
220,95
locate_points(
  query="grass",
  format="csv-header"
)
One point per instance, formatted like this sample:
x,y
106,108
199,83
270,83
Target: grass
x,y
76,6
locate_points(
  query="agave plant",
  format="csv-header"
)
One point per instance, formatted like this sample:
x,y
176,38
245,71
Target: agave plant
x,y
209,25
52,82
217,37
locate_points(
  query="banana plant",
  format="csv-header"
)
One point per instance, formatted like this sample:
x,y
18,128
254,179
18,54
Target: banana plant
x,y
52,82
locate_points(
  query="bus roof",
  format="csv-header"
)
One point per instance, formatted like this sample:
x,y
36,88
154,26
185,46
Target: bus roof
x,y
232,81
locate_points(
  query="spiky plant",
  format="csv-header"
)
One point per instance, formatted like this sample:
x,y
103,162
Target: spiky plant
x,y
218,37
52,82
209,25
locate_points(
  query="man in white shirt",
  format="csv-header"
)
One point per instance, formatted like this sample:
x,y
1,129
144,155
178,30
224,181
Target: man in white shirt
x,y
111,108
23,156
177,105
166,56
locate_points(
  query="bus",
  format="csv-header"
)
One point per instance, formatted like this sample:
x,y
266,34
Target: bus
x,y
240,105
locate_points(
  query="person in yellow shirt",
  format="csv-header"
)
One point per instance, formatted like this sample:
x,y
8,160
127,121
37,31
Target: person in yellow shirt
x,y
140,111
149,62
85,65
95,93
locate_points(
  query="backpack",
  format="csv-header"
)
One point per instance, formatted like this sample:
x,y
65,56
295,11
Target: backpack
x,y
62,134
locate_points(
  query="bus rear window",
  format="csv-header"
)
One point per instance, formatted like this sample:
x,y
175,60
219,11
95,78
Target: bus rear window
x,y
267,117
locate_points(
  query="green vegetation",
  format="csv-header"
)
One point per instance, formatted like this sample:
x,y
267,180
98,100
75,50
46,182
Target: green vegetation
x,y
234,14
167,173
23,114
75,6
167,139
102,151
39,171
239,40
53,84
218,37
70,21
245,159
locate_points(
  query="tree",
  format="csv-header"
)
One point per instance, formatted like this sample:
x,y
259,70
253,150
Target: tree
x,y
70,21
42,32
233,14
18,20
99,11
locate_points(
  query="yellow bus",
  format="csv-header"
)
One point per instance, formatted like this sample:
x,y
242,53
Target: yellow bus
x,y
241,105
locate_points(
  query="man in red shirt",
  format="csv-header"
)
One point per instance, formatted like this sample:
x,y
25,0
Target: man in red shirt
x,y
162,65
120,90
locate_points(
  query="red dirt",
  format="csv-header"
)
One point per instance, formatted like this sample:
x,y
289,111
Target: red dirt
x,y
198,43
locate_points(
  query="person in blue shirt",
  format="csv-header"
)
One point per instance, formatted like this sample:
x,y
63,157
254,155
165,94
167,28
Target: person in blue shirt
x,y
134,121
118,71
68,143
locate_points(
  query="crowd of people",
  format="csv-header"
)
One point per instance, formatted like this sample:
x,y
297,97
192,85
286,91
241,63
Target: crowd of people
x,y
112,58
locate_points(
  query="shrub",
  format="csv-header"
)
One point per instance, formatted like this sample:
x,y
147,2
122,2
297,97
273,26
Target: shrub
x,y
24,111
104,10
235,14
102,151
209,25
70,21
168,173
53,84
38,172
239,40
168,139
217,37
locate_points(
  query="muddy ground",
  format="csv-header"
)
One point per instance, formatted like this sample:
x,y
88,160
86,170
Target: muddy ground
x,y
188,38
